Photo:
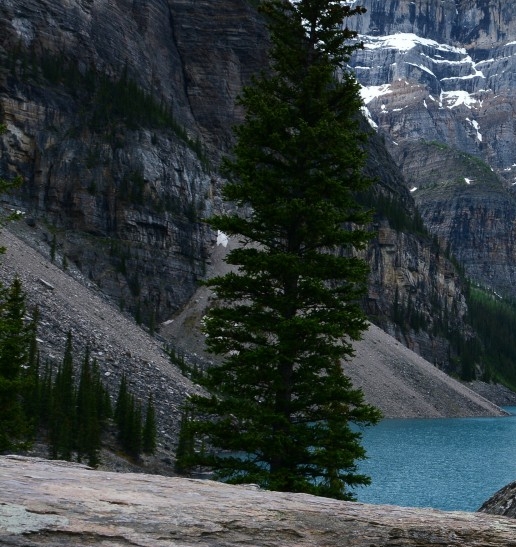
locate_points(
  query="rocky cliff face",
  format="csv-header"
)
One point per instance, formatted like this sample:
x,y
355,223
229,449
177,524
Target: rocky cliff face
x,y
117,115
438,80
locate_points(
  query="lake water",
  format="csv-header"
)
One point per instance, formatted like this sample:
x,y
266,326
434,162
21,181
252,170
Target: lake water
x,y
451,464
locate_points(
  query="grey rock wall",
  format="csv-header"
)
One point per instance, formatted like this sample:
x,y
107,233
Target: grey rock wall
x,y
125,204
443,72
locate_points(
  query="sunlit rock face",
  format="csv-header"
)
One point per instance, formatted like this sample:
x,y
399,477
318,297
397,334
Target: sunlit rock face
x,y
438,82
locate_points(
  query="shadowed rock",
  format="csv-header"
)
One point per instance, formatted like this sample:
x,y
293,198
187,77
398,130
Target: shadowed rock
x,y
502,502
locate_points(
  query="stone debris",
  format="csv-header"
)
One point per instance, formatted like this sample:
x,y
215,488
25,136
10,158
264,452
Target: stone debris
x,y
502,502
115,341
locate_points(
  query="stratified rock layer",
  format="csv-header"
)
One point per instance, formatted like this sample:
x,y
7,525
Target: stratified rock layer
x,y
438,78
54,503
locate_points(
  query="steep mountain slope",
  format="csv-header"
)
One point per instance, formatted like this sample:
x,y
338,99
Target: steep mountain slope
x,y
67,302
438,82
117,114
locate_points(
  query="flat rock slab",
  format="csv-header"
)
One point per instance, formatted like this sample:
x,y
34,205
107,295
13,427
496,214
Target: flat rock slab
x,y
57,503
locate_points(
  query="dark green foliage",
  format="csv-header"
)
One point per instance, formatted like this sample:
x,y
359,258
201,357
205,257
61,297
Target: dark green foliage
x,y
16,375
79,412
494,319
149,428
280,407
185,450
390,208
134,436
63,411
105,103
89,419
406,315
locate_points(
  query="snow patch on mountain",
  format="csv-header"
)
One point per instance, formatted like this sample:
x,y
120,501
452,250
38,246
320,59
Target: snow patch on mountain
x,y
368,93
406,42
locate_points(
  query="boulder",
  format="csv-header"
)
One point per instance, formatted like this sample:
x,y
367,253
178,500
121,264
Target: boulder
x,y
57,503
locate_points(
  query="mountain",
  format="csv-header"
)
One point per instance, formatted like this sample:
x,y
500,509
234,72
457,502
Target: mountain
x,y
117,116
438,85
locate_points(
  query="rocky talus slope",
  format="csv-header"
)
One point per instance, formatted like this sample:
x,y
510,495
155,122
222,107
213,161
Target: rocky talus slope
x,y
116,342
60,504
397,380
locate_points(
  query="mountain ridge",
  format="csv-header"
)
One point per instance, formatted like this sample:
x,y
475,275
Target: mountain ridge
x,y
443,73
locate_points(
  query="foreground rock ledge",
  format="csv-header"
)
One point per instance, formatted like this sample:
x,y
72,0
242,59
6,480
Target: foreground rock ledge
x,y
56,503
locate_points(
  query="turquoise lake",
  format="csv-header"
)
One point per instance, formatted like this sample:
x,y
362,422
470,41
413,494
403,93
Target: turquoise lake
x,y
451,464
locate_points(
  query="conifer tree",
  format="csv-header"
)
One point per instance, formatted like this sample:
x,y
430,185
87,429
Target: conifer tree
x,y
122,401
149,428
63,407
280,406
31,392
15,343
185,450
45,404
103,400
128,417
88,420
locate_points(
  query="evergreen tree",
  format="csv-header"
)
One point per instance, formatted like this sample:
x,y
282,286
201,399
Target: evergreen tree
x,y
185,450
122,402
149,428
135,439
88,419
103,400
128,417
63,408
45,404
15,343
31,392
280,407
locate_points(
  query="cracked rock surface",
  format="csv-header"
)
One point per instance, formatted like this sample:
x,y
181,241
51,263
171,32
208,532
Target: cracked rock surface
x,y
57,503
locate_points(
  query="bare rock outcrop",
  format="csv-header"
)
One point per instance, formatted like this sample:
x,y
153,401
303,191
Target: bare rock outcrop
x,y
56,503
502,502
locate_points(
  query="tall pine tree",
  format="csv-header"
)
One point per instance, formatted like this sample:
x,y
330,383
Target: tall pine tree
x,y
149,441
63,412
15,342
280,406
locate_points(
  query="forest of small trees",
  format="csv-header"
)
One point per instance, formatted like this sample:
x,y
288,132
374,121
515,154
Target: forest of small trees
x,y
66,407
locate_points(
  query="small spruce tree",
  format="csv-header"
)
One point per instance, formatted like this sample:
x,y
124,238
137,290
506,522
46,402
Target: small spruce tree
x,y
63,412
15,348
149,428
88,427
